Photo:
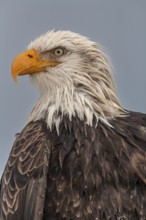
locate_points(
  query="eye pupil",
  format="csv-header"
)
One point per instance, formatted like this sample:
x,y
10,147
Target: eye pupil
x,y
59,51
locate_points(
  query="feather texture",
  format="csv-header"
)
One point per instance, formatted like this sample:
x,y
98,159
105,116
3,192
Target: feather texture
x,y
23,183
91,172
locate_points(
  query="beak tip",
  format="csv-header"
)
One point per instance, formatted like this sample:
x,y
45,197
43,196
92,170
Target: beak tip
x,y
15,78
14,74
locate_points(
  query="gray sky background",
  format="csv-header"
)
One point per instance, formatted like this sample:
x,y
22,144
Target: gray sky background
x,y
119,25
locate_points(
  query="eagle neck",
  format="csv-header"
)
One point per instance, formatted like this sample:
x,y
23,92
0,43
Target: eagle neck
x,y
53,107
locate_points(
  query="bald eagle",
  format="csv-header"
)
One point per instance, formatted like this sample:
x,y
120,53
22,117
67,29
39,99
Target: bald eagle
x,y
81,155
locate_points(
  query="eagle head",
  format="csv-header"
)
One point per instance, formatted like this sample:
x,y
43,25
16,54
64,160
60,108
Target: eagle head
x,y
74,77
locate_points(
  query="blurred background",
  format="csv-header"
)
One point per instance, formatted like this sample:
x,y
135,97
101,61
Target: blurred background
x,y
120,26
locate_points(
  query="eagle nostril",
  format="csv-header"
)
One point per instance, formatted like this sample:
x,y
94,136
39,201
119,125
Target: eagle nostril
x,y
29,55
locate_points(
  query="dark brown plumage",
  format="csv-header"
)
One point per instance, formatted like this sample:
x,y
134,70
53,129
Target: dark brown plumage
x,y
92,172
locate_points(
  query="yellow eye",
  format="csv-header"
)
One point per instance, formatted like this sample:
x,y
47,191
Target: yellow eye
x,y
59,52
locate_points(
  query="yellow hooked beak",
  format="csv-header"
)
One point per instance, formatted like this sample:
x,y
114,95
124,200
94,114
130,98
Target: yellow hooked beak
x,y
30,62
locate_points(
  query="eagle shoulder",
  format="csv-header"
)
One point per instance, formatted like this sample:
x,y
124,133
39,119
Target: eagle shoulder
x,y
23,182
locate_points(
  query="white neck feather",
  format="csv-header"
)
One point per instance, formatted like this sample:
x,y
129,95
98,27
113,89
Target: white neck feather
x,y
52,106
63,98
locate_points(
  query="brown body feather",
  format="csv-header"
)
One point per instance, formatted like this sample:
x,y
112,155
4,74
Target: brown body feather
x,y
84,173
